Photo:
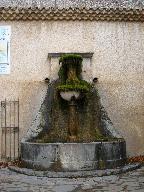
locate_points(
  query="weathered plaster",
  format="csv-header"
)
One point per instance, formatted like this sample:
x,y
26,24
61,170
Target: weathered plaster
x,y
70,3
118,62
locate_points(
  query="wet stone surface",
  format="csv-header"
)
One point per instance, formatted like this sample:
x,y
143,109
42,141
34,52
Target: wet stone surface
x,y
14,182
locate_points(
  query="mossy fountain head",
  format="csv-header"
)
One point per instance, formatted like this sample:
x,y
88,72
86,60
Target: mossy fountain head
x,y
71,88
71,85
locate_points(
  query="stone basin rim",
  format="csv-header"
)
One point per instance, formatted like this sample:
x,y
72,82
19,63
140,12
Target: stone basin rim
x,y
61,143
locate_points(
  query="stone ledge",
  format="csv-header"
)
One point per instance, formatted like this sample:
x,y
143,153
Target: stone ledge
x,y
84,55
80,14
95,173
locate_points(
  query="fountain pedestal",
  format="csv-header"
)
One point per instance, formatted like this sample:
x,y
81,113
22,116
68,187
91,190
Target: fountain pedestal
x,y
71,97
73,121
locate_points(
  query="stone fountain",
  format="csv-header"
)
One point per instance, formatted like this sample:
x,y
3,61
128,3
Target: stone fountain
x,y
72,131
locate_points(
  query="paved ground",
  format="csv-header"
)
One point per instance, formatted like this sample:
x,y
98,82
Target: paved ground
x,y
14,182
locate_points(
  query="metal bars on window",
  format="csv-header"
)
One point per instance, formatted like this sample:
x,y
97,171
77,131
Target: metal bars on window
x,y
10,130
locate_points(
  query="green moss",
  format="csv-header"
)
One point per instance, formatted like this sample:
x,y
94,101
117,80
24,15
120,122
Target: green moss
x,y
73,87
101,164
87,138
72,63
89,114
73,57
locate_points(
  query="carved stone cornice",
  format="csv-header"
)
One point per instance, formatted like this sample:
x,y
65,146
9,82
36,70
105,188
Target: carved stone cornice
x,y
81,14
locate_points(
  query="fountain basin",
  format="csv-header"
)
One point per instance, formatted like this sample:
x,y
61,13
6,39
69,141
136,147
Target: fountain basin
x,y
74,156
67,95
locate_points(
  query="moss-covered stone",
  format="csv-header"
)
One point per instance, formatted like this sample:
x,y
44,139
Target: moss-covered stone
x,y
70,74
54,115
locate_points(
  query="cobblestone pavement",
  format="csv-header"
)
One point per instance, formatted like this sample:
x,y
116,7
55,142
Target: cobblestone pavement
x,y
14,182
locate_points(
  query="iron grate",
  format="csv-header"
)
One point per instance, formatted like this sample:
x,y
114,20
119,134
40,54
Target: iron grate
x,y
10,130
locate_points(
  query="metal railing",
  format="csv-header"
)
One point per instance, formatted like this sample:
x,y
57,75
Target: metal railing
x,y
10,130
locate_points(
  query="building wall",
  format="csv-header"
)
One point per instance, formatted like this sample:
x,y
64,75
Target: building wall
x,y
118,62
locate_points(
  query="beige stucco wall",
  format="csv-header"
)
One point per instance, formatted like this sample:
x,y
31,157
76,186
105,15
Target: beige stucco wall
x,y
118,62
